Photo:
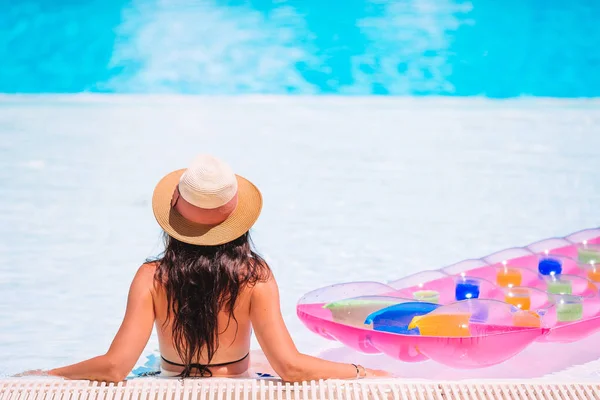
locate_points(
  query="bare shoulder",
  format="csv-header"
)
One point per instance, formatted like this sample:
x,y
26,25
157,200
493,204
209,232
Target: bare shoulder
x,y
148,269
144,276
266,286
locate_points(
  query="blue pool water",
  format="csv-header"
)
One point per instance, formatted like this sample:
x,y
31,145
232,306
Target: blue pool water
x,y
413,47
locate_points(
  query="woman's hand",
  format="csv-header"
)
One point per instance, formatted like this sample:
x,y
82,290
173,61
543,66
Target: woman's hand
x,y
377,373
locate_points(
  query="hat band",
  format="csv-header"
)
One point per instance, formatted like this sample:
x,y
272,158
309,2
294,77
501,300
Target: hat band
x,y
199,215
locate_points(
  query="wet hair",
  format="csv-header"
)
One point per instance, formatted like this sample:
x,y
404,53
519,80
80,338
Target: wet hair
x,y
200,282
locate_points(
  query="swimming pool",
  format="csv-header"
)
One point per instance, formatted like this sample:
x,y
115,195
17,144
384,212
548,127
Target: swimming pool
x,y
352,47
354,189
355,186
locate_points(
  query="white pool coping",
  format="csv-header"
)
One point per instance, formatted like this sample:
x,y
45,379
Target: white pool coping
x,y
219,388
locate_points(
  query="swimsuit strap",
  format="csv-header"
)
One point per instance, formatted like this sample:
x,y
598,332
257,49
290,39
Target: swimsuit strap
x,y
205,366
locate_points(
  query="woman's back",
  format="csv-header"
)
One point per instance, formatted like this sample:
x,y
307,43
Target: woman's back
x,y
202,298
234,336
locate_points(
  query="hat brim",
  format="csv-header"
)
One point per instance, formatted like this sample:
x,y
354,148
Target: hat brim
x,y
239,222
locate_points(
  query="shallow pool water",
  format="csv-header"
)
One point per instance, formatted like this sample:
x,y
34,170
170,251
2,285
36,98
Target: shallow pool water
x,y
354,189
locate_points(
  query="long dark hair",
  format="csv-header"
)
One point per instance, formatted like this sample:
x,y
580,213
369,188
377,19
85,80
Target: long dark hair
x,y
200,282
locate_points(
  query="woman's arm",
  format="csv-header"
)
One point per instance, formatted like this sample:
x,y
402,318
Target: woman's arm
x,y
130,340
279,348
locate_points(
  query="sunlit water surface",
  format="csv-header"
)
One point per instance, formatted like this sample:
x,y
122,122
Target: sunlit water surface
x,y
354,189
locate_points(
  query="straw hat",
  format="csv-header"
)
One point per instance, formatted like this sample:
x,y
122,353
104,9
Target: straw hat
x,y
206,204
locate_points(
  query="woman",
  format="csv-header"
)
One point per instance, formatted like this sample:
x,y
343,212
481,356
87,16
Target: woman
x,y
208,291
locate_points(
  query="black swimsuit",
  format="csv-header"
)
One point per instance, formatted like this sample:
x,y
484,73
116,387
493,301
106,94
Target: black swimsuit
x,y
204,368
